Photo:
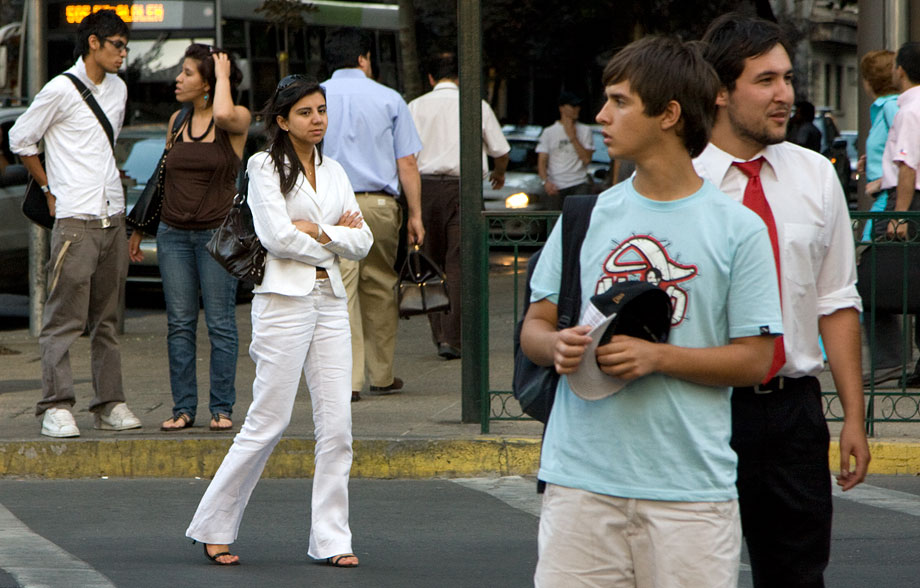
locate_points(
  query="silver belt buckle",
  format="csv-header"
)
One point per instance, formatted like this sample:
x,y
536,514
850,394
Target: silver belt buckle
x,y
758,389
105,222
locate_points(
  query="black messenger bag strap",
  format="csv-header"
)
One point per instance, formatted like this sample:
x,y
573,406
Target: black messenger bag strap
x,y
94,106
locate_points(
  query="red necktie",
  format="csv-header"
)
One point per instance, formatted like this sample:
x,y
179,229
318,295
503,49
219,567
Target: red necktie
x,y
755,199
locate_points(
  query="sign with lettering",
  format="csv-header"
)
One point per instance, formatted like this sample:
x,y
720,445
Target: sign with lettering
x,y
139,12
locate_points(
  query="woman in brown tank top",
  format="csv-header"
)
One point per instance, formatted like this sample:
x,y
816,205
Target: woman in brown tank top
x,y
201,171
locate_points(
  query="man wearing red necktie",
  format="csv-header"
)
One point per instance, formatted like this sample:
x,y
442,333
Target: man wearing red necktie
x,y
778,428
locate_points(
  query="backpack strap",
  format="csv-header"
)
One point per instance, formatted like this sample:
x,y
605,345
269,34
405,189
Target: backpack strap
x,y
94,106
576,215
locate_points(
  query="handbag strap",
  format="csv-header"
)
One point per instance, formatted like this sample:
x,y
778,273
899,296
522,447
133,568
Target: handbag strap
x,y
177,124
87,96
243,193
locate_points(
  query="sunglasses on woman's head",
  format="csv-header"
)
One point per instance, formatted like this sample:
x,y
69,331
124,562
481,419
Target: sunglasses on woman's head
x,y
288,80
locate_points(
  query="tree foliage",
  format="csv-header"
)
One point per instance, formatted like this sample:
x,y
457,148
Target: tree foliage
x,y
554,44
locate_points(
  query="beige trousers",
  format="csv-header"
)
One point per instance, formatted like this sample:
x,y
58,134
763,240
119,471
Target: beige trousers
x,y
595,540
369,284
86,278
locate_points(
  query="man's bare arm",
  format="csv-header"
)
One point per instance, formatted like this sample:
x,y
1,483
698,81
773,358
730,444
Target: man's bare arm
x,y
743,362
546,346
842,343
411,181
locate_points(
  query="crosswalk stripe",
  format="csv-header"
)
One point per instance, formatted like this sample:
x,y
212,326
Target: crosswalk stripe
x,y
881,498
36,562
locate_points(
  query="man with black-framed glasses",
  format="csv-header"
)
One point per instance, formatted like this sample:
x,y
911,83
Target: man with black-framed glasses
x,y
89,254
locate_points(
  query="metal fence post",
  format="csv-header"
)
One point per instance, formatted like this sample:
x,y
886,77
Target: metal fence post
x,y
34,30
474,376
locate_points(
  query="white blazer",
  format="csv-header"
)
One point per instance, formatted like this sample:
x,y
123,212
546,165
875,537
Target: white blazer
x,y
293,256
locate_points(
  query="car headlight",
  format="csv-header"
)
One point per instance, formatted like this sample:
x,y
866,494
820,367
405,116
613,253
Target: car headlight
x,y
519,200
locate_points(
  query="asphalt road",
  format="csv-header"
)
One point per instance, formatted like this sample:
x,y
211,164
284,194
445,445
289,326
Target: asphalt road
x,y
440,533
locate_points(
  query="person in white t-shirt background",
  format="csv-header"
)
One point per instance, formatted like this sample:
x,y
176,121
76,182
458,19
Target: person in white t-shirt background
x,y
563,153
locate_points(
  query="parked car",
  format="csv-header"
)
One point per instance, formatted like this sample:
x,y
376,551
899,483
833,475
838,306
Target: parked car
x,y
137,153
14,227
523,189
522,180
850,186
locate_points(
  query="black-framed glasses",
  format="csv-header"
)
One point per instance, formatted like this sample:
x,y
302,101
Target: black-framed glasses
x,y
118,44
288,80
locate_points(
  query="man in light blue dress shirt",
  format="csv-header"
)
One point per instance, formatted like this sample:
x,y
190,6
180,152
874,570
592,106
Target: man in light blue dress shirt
x,y
371,133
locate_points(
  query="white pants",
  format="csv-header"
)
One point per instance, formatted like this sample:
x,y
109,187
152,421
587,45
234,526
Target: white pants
x,y
289,334
589,539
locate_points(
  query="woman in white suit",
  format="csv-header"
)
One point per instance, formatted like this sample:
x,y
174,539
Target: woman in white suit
x,y
306,216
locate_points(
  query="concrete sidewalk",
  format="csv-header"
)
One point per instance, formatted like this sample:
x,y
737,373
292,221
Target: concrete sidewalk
x,y
415,433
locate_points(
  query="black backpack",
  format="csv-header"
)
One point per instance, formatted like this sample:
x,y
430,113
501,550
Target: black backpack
x,y
534,386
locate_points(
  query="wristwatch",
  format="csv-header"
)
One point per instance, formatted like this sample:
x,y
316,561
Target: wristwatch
x,y
319,232
46,189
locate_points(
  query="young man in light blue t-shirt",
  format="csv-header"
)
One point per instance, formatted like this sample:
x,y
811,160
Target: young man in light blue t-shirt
x,y
641,483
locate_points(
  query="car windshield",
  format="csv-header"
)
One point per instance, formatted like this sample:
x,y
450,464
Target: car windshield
x,y
600,154
523,156
137,157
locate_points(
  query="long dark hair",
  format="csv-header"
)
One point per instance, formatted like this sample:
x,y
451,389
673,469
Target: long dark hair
x,y
289,91
204,55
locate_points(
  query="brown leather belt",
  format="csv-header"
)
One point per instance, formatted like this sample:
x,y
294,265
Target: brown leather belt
x,y
321,273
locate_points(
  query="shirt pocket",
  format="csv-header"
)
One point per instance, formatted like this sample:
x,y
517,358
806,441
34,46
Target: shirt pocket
x,y
800,245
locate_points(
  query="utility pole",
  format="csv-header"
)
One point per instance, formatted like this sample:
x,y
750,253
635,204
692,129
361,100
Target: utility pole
x,y
34,29
474,377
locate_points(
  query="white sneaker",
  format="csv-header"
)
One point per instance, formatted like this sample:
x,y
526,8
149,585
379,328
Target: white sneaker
x,y
58,422
117,417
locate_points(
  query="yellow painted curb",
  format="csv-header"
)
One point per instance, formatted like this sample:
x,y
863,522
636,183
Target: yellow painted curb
x,y
888,457
292,458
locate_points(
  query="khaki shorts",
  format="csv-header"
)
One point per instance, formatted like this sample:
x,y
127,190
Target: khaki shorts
x,y
589,539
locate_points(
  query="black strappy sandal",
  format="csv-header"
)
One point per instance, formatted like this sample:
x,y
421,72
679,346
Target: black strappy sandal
x,y
214,557
336,561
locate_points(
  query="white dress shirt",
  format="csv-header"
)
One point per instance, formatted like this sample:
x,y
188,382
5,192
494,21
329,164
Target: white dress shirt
x,y
903,144
78,159
437,119
817,254
293,256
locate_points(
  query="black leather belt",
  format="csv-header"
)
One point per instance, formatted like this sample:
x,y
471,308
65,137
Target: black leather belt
x,y
778,384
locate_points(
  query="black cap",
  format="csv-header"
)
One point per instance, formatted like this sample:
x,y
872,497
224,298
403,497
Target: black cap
x,y
636,308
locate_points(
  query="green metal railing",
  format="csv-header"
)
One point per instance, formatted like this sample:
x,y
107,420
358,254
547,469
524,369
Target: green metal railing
x,y
520,234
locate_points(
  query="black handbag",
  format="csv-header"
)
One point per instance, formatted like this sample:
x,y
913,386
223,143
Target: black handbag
x,y
235,244
145,214
422,286
35,205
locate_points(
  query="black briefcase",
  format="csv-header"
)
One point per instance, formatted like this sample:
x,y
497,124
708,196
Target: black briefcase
x,y
422,286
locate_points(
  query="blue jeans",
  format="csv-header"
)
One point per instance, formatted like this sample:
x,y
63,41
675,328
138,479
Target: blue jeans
x,y
186,266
